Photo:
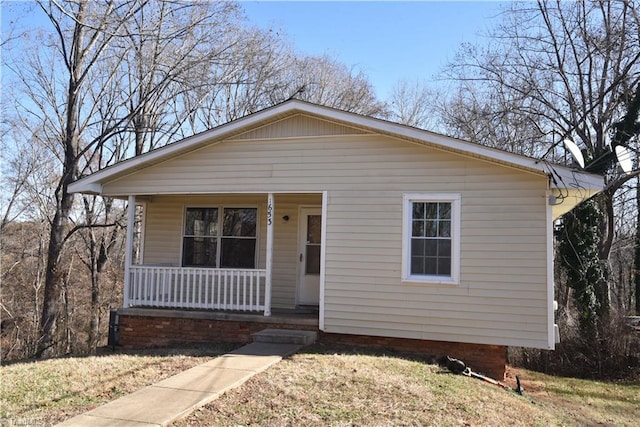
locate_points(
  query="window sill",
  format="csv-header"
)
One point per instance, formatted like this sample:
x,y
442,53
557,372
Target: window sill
x,y
434,280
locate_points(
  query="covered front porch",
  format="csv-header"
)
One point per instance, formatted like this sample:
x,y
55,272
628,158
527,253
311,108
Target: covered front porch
x,y
273,259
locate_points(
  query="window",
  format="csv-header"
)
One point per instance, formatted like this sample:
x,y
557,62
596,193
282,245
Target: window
x,y
206,244
431,238
200,242
239,238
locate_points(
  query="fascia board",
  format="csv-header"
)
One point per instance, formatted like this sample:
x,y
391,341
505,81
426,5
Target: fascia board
x,y
571,178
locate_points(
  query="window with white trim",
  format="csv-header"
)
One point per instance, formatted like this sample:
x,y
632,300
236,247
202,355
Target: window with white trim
x,y
431,238
207,244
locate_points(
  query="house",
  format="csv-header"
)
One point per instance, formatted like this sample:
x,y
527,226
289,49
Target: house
x,y
371,232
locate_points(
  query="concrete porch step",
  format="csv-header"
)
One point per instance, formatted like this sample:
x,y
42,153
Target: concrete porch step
x,y
285,336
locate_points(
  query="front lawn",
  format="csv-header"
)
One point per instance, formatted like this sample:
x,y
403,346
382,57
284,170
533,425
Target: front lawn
x,y
316,387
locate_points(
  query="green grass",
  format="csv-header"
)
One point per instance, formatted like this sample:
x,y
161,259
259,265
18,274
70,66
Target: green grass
x,y
586,401
317,387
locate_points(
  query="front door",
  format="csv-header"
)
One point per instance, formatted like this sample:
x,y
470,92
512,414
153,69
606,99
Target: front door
x,y
309,249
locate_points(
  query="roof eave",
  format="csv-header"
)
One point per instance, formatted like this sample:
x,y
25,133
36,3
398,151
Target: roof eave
x,y
85,186
571,187
92,184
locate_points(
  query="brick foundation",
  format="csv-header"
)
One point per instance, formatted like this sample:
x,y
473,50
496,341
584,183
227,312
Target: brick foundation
x,y
489,360
152,331
155,329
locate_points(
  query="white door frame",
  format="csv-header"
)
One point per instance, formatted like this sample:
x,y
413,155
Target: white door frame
x,y
303,212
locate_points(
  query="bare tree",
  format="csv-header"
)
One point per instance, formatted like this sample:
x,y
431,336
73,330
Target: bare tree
x,y
486,117
109,80
22,265
413,104
83,32
77,106
636,259
20,165
257,76
28,176
323,80
172,49
554,70
266,71
163,47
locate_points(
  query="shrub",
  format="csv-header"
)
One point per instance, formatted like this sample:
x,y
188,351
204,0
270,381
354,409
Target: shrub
x,y
612,354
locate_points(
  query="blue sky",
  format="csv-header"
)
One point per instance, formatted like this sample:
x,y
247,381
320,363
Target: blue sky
x,y
388,41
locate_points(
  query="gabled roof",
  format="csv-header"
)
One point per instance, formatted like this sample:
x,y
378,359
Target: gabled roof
x,y
562,177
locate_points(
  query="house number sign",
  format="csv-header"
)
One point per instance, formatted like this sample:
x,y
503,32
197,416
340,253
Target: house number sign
x,y
269,213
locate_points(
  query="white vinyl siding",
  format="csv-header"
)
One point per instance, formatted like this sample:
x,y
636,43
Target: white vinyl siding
x,y
297,126
502,293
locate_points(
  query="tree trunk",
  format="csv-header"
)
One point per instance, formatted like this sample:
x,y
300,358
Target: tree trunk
x,y
636,266
606,228
99,250
52,288
94,315
51,308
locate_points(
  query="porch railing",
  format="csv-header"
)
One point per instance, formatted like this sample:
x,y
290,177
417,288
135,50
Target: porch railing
x,y
201,288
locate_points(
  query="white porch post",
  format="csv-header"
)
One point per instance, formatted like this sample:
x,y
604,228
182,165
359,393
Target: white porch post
x,y
128,256
323,258
270,221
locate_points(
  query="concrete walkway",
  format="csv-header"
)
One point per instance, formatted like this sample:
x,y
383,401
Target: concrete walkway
x,y
175,397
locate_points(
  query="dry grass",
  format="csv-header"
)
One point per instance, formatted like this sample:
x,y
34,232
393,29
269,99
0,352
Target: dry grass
x,y
345,389
49,391
319,387
584,402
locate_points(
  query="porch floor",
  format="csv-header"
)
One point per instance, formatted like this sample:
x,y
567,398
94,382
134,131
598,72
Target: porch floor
x,y
299,316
